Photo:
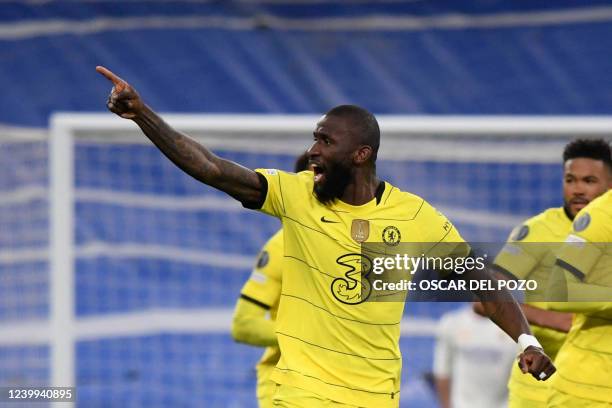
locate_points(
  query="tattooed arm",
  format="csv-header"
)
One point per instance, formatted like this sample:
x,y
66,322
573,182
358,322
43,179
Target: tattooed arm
x,y
194,159
505,312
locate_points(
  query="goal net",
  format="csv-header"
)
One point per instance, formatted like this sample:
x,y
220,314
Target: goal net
x,y
119,272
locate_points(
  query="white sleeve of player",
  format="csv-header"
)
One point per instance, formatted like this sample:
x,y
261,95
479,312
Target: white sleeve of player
x,y
443,351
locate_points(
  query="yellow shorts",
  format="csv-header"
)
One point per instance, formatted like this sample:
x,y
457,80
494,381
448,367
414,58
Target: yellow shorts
x,y
292,397
559,399
517,401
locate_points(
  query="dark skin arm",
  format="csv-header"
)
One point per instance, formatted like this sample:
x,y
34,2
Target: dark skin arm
x,y
548,318
544,318
194,159
505,312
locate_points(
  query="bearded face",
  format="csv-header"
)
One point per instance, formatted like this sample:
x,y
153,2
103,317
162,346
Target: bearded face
x,y
331,157
584,179
330,180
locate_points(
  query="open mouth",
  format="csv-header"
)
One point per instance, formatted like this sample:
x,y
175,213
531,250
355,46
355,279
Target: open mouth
x,y
319,172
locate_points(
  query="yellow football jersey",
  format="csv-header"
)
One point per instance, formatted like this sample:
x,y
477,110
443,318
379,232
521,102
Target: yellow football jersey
x,y
341,348
264,288
584,363
525,257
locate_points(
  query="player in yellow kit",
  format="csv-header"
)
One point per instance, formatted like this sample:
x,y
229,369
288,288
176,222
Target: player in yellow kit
x,y
337,349
527,256
584,264
260,295
340,347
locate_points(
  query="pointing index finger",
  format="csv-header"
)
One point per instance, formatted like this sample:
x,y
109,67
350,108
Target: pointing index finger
x,y
110,76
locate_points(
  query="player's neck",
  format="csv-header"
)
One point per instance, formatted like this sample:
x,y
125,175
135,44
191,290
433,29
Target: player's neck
x,y
362,189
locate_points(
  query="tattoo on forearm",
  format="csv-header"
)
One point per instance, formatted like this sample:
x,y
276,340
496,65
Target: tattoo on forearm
x,y
197,161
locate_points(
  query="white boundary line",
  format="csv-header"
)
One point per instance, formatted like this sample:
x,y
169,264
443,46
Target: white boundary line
x,y
195,256
158,201
450,21
419,138
157,321
29,333
12,256
178,203
61,262
133,250
401,126
22,134
24,194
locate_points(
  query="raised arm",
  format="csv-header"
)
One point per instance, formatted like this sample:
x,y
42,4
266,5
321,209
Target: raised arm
x,y
194,159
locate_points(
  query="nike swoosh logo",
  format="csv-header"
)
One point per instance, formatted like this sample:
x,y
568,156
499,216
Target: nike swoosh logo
x,y
329,221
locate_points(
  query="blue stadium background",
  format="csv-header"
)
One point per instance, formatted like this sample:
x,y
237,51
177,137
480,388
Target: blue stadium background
x,y
521,68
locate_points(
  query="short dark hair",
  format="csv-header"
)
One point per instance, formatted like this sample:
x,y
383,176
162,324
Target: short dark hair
x,y
365,122
301,163
596,149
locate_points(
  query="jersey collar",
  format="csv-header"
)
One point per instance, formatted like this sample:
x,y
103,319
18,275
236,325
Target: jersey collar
x,y
370,205
567,214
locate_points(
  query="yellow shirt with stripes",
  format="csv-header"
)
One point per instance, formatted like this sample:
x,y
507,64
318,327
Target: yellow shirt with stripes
x,y
332,343
584,363
264,287
529,254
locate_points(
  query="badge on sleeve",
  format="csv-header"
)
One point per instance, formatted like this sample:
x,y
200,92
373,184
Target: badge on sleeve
x,y
582,222
263,259
521,233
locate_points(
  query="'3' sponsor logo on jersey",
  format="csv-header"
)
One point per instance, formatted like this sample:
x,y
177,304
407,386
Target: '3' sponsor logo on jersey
x,y
354,287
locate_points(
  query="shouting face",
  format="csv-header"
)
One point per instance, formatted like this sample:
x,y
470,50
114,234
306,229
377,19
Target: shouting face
x,y
331,157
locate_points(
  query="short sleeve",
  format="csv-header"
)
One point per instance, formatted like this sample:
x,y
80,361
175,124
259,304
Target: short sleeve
x,y
284,192
440,235
586,243
519,256
593,226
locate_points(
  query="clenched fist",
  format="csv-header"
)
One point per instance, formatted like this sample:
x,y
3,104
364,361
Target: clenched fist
x,y
534,361
123,99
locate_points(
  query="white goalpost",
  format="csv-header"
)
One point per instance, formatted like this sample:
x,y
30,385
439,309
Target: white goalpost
x,y
135,248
